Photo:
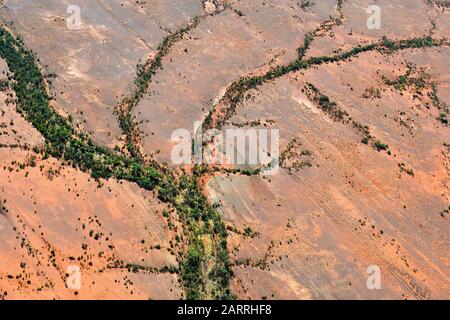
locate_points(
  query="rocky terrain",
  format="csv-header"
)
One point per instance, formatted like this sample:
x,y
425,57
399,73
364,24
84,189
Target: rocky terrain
x,y
87,179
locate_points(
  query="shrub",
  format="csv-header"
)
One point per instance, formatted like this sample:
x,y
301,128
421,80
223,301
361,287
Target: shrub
x,y
380,146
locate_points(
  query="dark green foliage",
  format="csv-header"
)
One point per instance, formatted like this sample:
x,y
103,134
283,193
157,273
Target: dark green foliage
x,y
236,91
64,142
329,107
417,79
4,84
305,5
190,268
380,146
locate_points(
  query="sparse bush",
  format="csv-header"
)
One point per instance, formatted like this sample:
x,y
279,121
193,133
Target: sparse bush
x,y
380,146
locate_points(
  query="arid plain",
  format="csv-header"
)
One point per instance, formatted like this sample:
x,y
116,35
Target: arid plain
x,y
364,150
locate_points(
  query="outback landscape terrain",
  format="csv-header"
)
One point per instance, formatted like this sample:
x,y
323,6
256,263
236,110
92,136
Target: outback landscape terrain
x,y
88,109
